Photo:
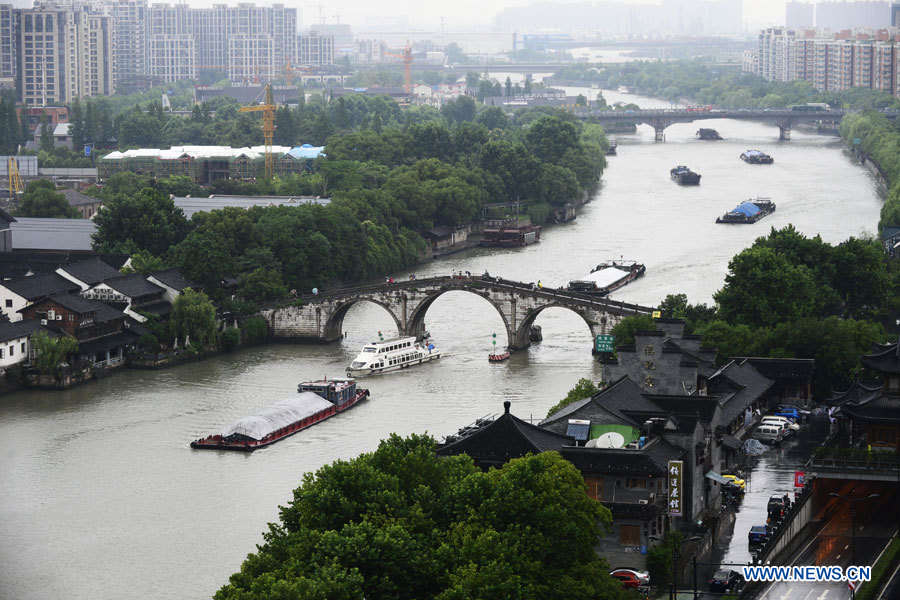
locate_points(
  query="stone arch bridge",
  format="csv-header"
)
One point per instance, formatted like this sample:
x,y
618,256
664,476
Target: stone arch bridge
x,y
320,318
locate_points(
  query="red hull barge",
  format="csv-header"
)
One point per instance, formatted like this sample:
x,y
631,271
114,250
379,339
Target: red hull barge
x,y
315,402
495,357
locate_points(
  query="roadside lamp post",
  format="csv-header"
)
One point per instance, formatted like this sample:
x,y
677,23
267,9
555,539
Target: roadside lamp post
x,y
673,586
853,502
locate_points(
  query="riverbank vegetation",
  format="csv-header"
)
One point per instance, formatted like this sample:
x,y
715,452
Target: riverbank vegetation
x,y
790,296
401,522
879,141
387,182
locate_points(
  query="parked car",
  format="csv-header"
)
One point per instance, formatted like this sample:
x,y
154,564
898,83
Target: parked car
x,y
784,426
790,413
631,578
725,580
771,434
759,534
737,481
775,419
776,506
804,412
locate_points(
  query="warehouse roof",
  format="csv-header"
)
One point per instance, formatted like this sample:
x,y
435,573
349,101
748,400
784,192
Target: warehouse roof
x,y
176,152
216,202
30,233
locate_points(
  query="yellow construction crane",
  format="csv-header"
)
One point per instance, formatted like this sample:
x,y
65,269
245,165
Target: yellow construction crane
x,y
268,111
15,181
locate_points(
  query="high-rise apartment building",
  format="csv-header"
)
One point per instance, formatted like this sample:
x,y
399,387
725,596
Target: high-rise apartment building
x,y
7,41
171,57
315,49
63,53
130,17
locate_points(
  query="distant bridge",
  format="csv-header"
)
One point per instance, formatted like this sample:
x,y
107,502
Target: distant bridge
x,y
659,119
321,317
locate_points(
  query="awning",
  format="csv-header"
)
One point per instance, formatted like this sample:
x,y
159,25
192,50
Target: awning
x,y
717,478
579,431
729,441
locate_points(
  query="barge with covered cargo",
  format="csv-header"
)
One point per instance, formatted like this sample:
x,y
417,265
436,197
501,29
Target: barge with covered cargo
x,y
607,276
314,402
684,176
755,157
749,211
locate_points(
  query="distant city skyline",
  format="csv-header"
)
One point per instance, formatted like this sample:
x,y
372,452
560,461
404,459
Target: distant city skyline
x,y
461,15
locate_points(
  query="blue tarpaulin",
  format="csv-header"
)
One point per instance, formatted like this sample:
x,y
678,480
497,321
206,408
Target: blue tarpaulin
x,y
747,209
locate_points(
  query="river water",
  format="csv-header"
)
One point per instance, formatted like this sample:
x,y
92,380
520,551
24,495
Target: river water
x,y
101,497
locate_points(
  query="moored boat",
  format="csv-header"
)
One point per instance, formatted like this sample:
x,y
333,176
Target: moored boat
x,y
607,277
755,157
315,402
684,176
392,355
708,134
510,233
498,356
611,151
748,212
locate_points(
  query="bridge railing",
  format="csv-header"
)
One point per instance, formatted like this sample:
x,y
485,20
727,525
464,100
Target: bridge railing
x,y
476,281
876,463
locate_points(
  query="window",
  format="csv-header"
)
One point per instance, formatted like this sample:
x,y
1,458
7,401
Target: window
x,y
23,347
630,535
2,353
9,304
594,487
12,350
635,483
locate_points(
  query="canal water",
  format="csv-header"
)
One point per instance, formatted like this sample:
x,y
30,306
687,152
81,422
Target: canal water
x,y
101,497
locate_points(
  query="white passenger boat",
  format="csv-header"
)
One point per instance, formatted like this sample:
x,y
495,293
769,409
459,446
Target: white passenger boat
x,y
392,355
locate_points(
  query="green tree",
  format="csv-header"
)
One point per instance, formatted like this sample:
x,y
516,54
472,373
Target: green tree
x,y
493,117
508,86
625,329
194,315
42,200
401,522
549,138
763,288
47,144
460,110
585,388
261,285
147,220
144,263
50,353
581,100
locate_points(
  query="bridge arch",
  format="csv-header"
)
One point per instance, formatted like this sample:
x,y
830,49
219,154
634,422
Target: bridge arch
x,y
416,322
334,326
523,332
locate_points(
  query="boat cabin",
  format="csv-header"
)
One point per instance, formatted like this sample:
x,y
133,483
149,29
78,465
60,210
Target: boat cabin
x,y
336,391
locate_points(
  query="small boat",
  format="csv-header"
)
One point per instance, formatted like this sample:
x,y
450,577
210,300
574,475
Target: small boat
x,y
755,157
611,151
498,356
708,134
622,89
684,176
392,355
608,276
315,402
748,212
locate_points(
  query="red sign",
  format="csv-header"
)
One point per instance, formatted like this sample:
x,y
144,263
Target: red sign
x,y
851,585
799,479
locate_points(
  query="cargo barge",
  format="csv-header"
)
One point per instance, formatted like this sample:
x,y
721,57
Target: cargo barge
x,y
748,212
708,134
315,402
607,277
684,176
510,233
755,157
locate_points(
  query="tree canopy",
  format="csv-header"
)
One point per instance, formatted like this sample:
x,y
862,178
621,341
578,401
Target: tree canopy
x,y
401,522
42,200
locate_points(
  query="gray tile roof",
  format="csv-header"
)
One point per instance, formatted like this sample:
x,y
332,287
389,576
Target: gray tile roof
x,y
52,234
37,286
81,305
134,285
23,328
76,198
652,459
91,271
174,279
191,205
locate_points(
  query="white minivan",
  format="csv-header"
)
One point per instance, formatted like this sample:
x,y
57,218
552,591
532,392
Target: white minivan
x,y
771,434
787,423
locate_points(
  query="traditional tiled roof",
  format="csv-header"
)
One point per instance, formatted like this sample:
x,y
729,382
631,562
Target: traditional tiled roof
x,y
881,409
858,392
505,438
174,279
886,361
76,198
747,383
106,342
80,305
134,285
23,328
91,271
782,368
38,286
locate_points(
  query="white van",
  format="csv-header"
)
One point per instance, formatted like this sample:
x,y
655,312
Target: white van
x,y
788,424
771,434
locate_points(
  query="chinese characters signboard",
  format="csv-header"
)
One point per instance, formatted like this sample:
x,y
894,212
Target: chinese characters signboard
x,y
675,488
799,479
604,343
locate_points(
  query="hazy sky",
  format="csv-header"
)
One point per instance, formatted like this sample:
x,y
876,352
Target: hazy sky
x,y
458,14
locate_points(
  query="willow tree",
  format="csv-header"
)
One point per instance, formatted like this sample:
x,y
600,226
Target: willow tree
x,y
194,316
